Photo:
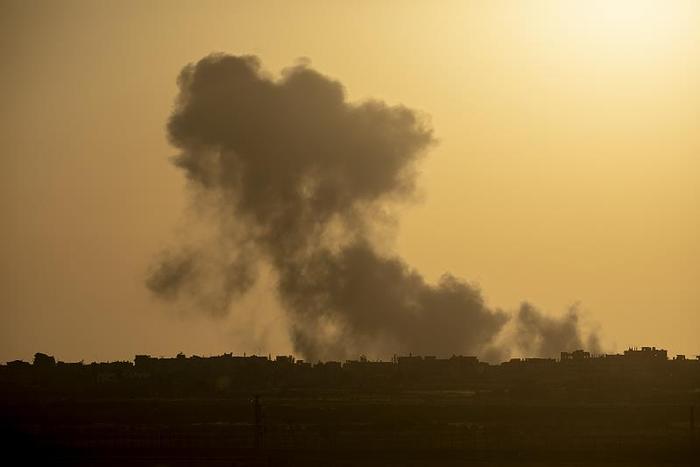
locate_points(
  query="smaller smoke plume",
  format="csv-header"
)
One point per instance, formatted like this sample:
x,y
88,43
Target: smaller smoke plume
x,y
291,176
540,335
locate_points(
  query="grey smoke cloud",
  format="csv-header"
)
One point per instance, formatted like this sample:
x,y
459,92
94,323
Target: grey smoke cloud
x,y
539,334
295,177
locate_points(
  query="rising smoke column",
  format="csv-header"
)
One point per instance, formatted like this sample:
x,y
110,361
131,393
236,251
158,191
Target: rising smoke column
x,y
295,177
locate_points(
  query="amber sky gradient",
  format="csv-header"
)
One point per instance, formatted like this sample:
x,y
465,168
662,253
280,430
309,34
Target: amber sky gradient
x,y
567,169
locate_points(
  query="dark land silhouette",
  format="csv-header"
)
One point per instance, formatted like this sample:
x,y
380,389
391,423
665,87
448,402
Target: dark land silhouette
x,y
634,408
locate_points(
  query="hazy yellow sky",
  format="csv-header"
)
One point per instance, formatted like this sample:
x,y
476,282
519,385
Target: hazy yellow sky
x,y
567,169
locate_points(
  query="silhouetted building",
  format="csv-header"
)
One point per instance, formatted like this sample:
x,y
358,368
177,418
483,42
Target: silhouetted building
x,y
646,353
576,355
41,360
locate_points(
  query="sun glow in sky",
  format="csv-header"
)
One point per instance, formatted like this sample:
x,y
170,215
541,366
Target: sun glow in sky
x,y
567,169
635,28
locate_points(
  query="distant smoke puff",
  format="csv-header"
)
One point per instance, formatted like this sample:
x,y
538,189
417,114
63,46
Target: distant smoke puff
x,y
538,334
295,174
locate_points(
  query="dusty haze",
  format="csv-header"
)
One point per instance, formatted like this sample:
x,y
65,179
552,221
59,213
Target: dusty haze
x,y
566,169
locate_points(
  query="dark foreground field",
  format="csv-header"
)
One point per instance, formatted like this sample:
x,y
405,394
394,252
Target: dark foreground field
x,y
344,428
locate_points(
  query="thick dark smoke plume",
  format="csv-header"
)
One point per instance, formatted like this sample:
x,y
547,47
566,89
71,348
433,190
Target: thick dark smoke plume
x,y
294,177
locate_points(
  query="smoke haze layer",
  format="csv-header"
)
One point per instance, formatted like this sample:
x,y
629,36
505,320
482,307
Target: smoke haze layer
x,y
294,177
